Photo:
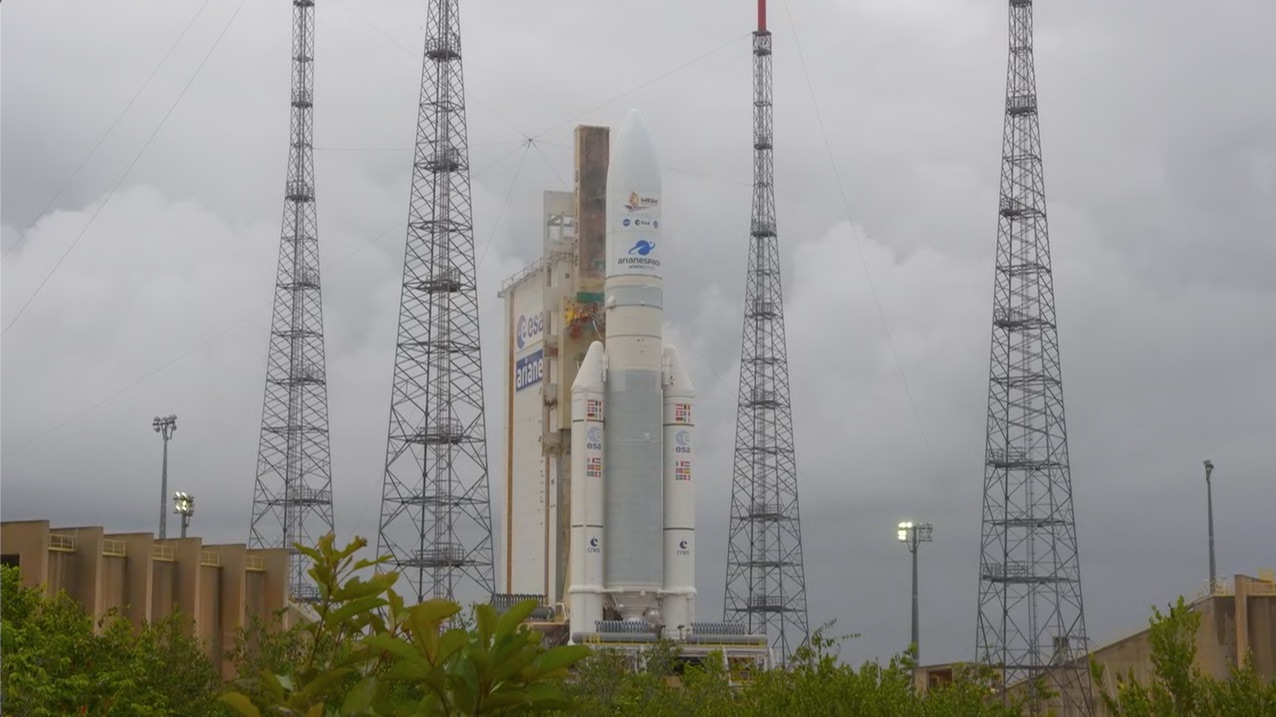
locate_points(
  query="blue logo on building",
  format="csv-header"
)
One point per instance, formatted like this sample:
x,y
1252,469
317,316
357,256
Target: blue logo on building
x,y
528,328
625,223
529,370
642,247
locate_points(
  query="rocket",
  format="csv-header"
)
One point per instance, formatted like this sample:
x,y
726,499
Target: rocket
x,y
632,499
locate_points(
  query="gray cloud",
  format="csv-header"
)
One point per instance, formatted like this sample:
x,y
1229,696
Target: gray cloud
x,y
1160,168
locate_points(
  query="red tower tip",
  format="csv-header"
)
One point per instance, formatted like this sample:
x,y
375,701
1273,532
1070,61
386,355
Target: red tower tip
x,y
761,15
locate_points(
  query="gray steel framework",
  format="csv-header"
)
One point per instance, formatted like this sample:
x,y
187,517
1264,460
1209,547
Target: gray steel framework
x,y
292,499
1031,622
435,511
765,582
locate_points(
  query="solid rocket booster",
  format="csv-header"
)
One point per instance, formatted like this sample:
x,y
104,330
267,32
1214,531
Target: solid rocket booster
x,y
633,509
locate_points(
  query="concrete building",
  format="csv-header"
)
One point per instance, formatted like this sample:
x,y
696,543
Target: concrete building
x,y
553,310
218,586
1238,617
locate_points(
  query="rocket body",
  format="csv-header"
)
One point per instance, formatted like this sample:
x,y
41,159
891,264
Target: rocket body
x,y
638,510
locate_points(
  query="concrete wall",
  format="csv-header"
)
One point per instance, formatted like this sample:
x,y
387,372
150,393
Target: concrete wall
x,y
215,587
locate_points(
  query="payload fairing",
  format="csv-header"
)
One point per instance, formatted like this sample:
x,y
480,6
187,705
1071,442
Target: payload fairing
x,y
632,500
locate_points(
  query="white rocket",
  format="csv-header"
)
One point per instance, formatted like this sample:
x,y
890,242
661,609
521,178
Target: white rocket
x,y
632,500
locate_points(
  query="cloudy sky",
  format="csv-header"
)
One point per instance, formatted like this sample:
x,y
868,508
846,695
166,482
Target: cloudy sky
x,y
1159,130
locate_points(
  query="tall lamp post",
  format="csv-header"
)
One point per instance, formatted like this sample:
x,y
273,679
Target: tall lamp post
x,y
912,535
164,425
1209,503
184,505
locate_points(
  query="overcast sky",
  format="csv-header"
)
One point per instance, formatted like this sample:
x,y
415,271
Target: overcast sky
x,y
1159,136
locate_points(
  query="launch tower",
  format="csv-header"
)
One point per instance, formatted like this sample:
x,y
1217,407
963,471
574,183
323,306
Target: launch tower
x,y
292,498
765,585
435,512
1031,622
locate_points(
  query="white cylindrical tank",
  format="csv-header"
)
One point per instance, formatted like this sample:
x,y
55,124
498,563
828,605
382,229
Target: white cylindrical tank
x,y
680,496
588,492
634,567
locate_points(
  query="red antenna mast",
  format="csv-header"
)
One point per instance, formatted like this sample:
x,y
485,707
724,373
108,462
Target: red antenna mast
x,y
761,15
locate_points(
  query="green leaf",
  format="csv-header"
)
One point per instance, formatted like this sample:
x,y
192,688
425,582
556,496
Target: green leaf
x,y
359,698
393,645
349,610
241,704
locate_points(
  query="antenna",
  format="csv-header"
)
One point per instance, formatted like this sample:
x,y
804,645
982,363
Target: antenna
x,y
292,497
1030,612
766,583
436,520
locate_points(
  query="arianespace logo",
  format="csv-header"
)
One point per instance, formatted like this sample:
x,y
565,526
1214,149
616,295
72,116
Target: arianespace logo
x,y
528,329
640,255
642,247
637,201
684,547
594,439
595,546
682,441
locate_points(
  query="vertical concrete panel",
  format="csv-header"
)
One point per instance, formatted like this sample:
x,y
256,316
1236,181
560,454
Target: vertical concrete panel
x,y
139,575
275,580
114,585
187,578
29,540
231,614
88,569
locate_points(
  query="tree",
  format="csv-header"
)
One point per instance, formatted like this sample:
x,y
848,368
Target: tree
x,y
57,663
368,654
1177,686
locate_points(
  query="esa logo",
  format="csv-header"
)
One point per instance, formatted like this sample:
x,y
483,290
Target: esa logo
x,y
595,546
684,547
682,441
528,329
594,439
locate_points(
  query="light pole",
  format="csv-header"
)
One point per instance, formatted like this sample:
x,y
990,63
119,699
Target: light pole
x,y
1209,503
184,505
914,534
164,425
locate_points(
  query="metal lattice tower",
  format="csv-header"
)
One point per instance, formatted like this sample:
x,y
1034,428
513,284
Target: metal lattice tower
x,y
435,512
766,585
292,500
1031,621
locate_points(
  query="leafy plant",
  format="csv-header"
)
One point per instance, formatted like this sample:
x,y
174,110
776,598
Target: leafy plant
x,y
367,654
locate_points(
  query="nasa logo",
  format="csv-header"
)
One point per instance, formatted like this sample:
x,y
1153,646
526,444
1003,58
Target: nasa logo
x,y
527,329
683,441
593,546
594,439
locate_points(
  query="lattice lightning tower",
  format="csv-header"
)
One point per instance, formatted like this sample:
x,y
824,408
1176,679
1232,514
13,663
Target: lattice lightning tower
x,y
435,511
1030,614
292,500
766,585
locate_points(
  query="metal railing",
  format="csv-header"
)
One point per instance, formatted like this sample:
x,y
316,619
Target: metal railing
x,y
164,553
62,543
114,548
211,558
255,562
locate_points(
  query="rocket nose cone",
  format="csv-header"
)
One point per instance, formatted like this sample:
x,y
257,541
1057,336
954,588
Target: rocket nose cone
x,y
633,154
